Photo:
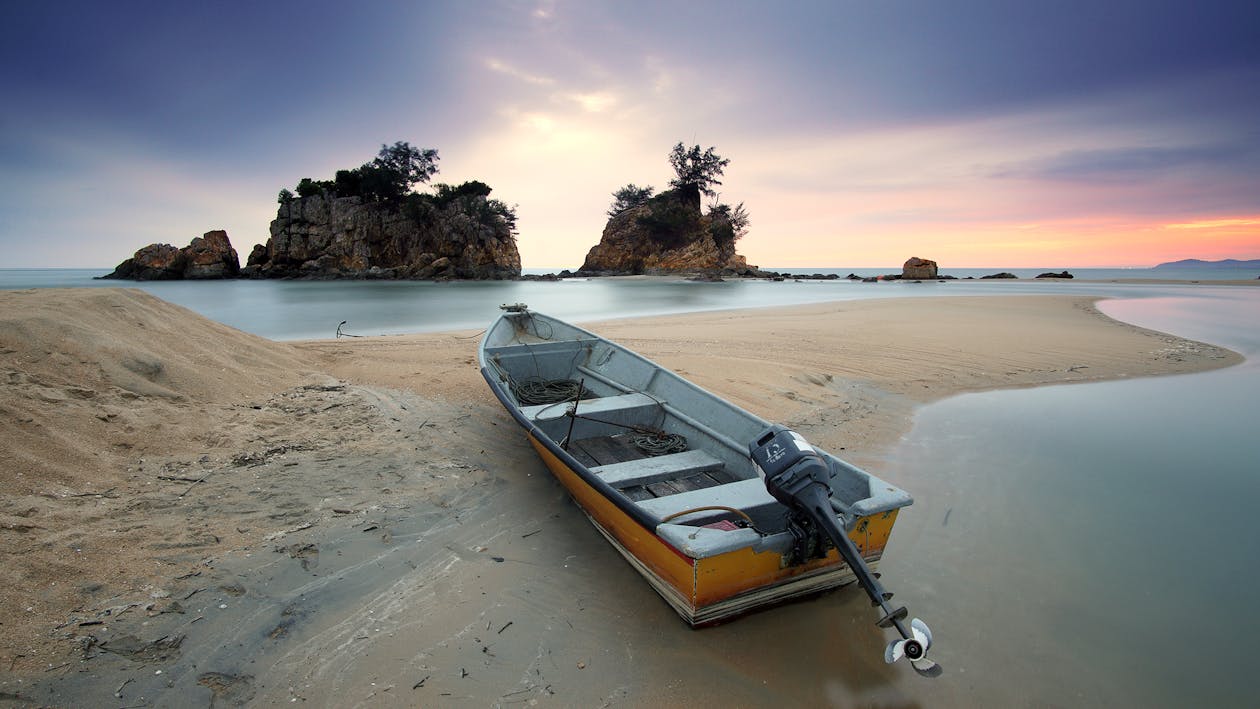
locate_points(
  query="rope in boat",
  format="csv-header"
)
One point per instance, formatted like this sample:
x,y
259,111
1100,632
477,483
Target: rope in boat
x,y
525,319
534,391
651,441
659,443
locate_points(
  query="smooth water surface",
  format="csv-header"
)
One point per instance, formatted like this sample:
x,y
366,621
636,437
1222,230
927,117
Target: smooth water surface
x,y
1093,544
291,310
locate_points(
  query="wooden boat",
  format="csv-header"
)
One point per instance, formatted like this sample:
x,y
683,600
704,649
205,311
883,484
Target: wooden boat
x,y
675,477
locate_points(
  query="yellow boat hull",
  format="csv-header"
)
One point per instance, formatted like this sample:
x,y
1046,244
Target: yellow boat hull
x,y
710,589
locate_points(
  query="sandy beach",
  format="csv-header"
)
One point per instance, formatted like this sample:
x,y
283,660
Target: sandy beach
x,y
359,519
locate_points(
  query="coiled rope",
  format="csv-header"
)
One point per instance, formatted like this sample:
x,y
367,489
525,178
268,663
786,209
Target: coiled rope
x,y
536,391
659,443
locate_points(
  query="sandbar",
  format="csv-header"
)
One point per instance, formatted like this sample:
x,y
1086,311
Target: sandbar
x,y
360,519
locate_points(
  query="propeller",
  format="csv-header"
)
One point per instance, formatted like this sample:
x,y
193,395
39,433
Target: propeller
x,y
915,649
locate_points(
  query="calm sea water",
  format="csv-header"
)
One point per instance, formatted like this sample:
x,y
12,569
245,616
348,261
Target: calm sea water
x,y
1077,545
290,310
1093,545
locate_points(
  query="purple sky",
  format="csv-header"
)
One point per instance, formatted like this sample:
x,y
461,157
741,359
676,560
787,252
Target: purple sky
x,y
859,133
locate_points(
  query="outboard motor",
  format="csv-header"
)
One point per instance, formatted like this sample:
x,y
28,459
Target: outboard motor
x,y
800,478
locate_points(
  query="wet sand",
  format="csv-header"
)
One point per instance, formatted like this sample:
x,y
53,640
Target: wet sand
x,y
193,515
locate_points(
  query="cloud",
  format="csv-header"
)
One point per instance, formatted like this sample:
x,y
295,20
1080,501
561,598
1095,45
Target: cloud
x,y
545,10
593,102
501,67
1120,164
661,78
1217,224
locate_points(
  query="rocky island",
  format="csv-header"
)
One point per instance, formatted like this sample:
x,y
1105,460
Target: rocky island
x,y
665,234
669,233
916,268
364,223
456,234
207,257
368,223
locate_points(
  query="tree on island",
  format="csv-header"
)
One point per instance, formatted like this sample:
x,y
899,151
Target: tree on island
x,y
398,168
729,223
676,230
696,169
390,177
629,196
696,172
406,165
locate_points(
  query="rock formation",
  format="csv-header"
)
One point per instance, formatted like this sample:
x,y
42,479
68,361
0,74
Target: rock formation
x,y
918,269
209,256
1064,274
422,237
665,235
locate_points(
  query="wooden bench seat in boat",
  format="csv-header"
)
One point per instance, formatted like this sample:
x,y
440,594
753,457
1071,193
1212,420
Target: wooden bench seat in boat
x,y
747,495
646,471
621,403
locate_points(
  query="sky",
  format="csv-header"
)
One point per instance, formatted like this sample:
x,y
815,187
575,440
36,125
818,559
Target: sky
x,y
977,133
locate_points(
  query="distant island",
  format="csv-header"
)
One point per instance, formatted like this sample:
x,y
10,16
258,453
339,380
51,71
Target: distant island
x,y
368,223
670,233
364,223
1197,263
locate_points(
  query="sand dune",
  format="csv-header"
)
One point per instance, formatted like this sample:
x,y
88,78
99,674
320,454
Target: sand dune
x,y
96,377
97,383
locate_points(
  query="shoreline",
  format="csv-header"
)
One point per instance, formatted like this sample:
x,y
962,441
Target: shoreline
x,y
169,460
854,384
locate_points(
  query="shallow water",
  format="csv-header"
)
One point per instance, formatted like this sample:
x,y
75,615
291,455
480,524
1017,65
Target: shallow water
x,y
1092,544
294,310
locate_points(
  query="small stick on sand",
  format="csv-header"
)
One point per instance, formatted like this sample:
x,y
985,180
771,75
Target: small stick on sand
x,y
190,487
118,692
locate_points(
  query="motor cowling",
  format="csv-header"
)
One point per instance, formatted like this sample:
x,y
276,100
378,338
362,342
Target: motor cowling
x,y
790,465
